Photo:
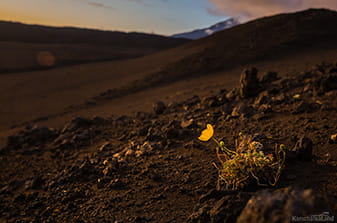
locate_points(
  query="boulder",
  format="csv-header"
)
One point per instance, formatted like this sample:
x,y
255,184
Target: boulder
x,y
283,205
249,83
159,107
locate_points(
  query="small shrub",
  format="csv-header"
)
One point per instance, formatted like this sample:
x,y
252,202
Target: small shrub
x,y
248,164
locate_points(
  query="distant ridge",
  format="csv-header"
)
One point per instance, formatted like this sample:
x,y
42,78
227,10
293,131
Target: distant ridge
x,y
14,31
201,33
21,45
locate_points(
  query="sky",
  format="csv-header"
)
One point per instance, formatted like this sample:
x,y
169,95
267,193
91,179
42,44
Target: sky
x,y
163,17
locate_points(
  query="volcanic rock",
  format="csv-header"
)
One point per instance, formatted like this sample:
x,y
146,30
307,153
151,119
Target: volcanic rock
x,y
232,94
159,107
263,98
219,206
269,77
249,83
75,124
242,110
283,205
31,136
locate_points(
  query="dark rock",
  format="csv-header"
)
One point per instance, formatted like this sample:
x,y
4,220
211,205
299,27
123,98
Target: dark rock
x,y
283,205
303,149
143,131
212,101
31,136
249,83
192,101
219,206
289,83
243,110
329,83
147,148
110,167
279,99
273,89
232,94
269,77
308,88
143,115
75,124
173,133
105,147
154,134
81,136
173,105
159,107
201,215
85,172
228,208
222,98
263,98
325,84
265,108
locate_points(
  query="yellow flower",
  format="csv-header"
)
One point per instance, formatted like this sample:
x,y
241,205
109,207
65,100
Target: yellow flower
x,y
207,133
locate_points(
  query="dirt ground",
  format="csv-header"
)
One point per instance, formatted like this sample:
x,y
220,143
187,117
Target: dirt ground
x,y
150,166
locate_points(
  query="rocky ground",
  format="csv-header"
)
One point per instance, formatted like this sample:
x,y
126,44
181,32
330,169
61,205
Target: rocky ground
x,y
150,167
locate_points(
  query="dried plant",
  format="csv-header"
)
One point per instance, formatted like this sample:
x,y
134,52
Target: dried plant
x,y
248,163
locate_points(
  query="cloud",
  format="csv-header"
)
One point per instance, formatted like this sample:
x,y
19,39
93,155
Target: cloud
x,y
95,4
99,5
248,9
141,2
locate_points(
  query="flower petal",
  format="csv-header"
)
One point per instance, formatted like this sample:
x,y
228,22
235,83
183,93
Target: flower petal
x,y
207,133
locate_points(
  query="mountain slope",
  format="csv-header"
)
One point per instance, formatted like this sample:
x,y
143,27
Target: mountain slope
x,y
13,31
264,38
201,33
21,45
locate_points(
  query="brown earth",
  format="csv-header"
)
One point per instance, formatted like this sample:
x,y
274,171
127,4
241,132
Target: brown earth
x,y
142,165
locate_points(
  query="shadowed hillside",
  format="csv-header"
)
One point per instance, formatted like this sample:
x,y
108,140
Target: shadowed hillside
x,y
21,44
263,39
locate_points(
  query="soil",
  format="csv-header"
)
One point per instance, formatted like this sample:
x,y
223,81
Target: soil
x,y
150,166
